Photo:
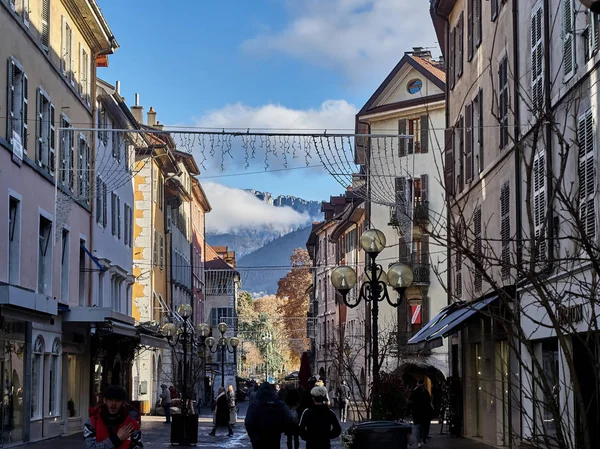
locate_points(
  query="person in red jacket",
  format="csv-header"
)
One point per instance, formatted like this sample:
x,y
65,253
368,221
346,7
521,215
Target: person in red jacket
x,y
113,425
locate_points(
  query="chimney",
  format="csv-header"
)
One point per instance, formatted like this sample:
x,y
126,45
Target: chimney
x,y
151,117
159,125
422,52
138,111
118,87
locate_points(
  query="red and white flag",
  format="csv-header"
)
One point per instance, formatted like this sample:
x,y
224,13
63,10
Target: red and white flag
x,y
415,311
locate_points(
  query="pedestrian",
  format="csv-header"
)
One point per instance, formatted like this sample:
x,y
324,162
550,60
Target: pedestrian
x,y
267,418
113,424
420,404
318,424
173,391
165,402
220,409
292,400
231,405
253,393
344,400
281,393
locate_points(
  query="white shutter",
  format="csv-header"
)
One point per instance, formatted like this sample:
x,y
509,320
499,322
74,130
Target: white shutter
x,y
587,174
25,113
63,60
537,59
539,202
52,141
568,33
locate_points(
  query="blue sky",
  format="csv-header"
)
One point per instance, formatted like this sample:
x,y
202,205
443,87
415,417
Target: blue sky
x,y
261,64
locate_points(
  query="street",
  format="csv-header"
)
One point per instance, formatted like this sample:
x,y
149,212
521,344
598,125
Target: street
x,y
156,435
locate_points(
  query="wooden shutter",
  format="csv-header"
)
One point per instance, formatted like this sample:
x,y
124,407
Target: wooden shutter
x,y
402,141
39,143
46,24
10,99
25,113
452,58
503,102
477,231
505,229
119,217
481,129
424,133
568,37
461,44
361,143
470,19
477,26
461,153
494,9
98,200
113,212
52,141
537,59
401,197
539,202
402,250
424,256
104,205
469,143
80,164
71,149
449,161
126,226
587,174
424,188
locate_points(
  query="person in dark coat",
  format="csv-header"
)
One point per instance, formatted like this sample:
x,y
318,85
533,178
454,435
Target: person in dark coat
x,y
420,404
267,418
221,413
292,400
318,424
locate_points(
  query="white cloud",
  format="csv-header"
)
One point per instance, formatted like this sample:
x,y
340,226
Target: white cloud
x,y
359,37
235,209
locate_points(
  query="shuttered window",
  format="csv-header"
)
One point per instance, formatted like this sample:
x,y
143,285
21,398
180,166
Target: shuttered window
x,y
469,142
473,28
449,161
505,230
67,51
45,32
105,205
478,275
503,102
417,129
113,212
452,58
568,38
45,133
126,224
481,129
460,45
458,274
592,35
119,217
162,252
99,200
587,174
537,59
84,75
83,168
539,204
461,153
155,249
66,154
18,105
424,138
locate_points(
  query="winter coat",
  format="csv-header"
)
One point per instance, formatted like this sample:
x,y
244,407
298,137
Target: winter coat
x,y
221,411
420,404
100,433
318,426
267,418
165,397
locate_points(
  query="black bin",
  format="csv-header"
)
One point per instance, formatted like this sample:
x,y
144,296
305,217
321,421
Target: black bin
x,y
184,429
381,435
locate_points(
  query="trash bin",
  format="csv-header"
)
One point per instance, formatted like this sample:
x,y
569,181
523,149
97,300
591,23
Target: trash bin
x,y
381,435
184,429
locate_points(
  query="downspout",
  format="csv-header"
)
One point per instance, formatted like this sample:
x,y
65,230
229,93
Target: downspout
x,y
94,106
548,107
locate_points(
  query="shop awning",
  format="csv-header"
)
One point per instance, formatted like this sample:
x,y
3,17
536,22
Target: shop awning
x,y
91,256
115,327
153,342
448,321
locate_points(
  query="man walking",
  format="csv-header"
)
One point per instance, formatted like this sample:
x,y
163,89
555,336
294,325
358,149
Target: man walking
x,y
267,418
165,402
344,398
318,424
420,403
113,424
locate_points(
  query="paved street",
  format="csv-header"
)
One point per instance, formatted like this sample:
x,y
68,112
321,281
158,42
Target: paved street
x,y
156,435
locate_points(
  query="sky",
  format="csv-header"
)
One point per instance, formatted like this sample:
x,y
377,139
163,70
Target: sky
x,y
262,64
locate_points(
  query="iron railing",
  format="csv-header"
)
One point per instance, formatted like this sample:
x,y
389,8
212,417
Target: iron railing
x,y
420,213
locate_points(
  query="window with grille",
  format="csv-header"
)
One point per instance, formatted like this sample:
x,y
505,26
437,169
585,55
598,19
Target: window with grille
x,y
18,98
45,132
539,204
503,101
568,38
587,175
478,275
537,58
505,230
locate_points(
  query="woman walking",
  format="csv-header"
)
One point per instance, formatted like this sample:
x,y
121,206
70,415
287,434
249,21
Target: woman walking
x,y
221,413
231,404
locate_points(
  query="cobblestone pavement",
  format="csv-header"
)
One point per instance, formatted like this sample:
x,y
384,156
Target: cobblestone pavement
x,y
156,434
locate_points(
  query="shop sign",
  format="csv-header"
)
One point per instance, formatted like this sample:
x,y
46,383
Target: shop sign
x,y
570,315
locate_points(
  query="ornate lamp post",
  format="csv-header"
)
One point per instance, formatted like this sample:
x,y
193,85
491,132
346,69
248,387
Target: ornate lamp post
x,y
374,289
266,338
224,345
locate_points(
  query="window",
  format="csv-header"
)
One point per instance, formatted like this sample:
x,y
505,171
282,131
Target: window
x,y
161,252
14,240
103,126
67,156
537,59
478,275
417,129
25,12
113,212
155,249
116,144
449,161
414,86
539,204
458,278
161,191
64,267
18,94
67,51
118,217
503,101
477,126
592,34
469,112
84,169
99,201
127,225
84,75
587,175
568,38
45,24
452,58
45,151
37,378
222,315
461,154
82,272
495,7
53,400
45,257
155,186
473,27
505,230
460,45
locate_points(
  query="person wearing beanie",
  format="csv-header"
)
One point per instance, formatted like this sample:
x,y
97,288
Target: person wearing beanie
x,y
318,424
113,425
267,418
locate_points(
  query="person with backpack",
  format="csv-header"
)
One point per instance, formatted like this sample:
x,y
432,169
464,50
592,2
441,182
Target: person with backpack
x,y
113,424
318,424
267,418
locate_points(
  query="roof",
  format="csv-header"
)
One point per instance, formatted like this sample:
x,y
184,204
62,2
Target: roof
x,y
214,261
436,68
201,195
188,161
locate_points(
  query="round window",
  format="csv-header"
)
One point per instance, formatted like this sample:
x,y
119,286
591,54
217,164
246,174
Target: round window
x,y
414,86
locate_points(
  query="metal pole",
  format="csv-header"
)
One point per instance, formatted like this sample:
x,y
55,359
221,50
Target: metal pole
x,y
185,369
223,366
375,313
267,364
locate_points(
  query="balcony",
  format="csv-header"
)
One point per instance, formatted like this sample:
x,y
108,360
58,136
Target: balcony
x,y
421,271
420,213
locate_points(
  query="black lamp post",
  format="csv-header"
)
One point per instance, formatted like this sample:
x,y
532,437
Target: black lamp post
x,y
224,345
374,289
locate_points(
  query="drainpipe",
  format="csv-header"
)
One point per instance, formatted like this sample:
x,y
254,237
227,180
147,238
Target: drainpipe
x,y
548,107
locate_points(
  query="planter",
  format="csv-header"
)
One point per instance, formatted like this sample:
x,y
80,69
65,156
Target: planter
x,y
381,435
184,430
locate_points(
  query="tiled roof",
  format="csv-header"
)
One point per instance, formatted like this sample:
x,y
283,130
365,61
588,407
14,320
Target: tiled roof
x,y
434,67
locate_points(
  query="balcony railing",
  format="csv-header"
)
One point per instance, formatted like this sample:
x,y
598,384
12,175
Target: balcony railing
x,y
421,271
420,213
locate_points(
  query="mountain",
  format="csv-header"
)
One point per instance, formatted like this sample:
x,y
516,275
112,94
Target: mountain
x,y
312,208
274,254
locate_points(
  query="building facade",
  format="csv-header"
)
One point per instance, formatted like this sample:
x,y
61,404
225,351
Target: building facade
x,y
52,56
200,207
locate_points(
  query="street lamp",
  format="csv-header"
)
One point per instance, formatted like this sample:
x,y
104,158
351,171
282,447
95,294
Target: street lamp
x,y
224,345
374,289
266,338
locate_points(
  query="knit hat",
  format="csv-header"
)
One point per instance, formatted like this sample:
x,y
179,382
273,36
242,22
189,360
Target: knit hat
x,y
319,392
115,392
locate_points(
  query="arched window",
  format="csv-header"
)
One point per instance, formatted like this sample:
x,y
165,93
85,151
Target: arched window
x,y
37,377
53,404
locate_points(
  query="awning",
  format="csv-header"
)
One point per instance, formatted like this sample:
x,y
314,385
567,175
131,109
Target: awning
x,y
115,327
448,321
153,342
94,259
